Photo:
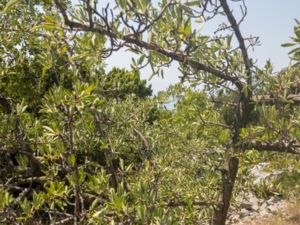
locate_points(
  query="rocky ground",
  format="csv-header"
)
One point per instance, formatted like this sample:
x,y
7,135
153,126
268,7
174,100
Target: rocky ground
x,y
273,211
287,214
252,210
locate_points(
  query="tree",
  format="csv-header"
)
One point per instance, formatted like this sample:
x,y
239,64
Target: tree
x,y
120,83
53,92
76,120
170,36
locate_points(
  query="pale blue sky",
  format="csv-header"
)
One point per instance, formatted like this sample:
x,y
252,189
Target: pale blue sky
x,y
271,20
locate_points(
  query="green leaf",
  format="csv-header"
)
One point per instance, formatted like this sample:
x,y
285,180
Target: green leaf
x,y
122,3
49,19
49,129
72,159
10,5
89,89
47,26
228,41
288,45
192,3
26,206
294,51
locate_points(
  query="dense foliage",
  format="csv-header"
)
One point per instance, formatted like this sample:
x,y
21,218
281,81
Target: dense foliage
x,y
82,145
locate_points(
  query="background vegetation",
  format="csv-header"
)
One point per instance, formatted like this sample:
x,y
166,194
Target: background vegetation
x,y
80,145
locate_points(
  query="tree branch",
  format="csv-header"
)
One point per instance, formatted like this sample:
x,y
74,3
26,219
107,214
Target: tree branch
x,y
271,99
276,146
145,148
35,165
205,122
238,34
134,39
185,204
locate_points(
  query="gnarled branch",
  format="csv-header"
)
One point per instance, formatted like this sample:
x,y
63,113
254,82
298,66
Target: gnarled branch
x,y
276,146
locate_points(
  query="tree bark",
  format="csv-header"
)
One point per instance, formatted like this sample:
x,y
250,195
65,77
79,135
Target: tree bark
x,y
231,162
229,175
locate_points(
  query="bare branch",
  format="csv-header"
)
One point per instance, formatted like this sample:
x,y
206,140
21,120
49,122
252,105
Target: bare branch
x,y
64,221
205,122
145,148
238,34
272,99
276,146
185,204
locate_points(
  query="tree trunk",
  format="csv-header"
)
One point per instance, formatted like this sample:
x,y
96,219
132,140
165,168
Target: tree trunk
x,y
229,175
231,162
